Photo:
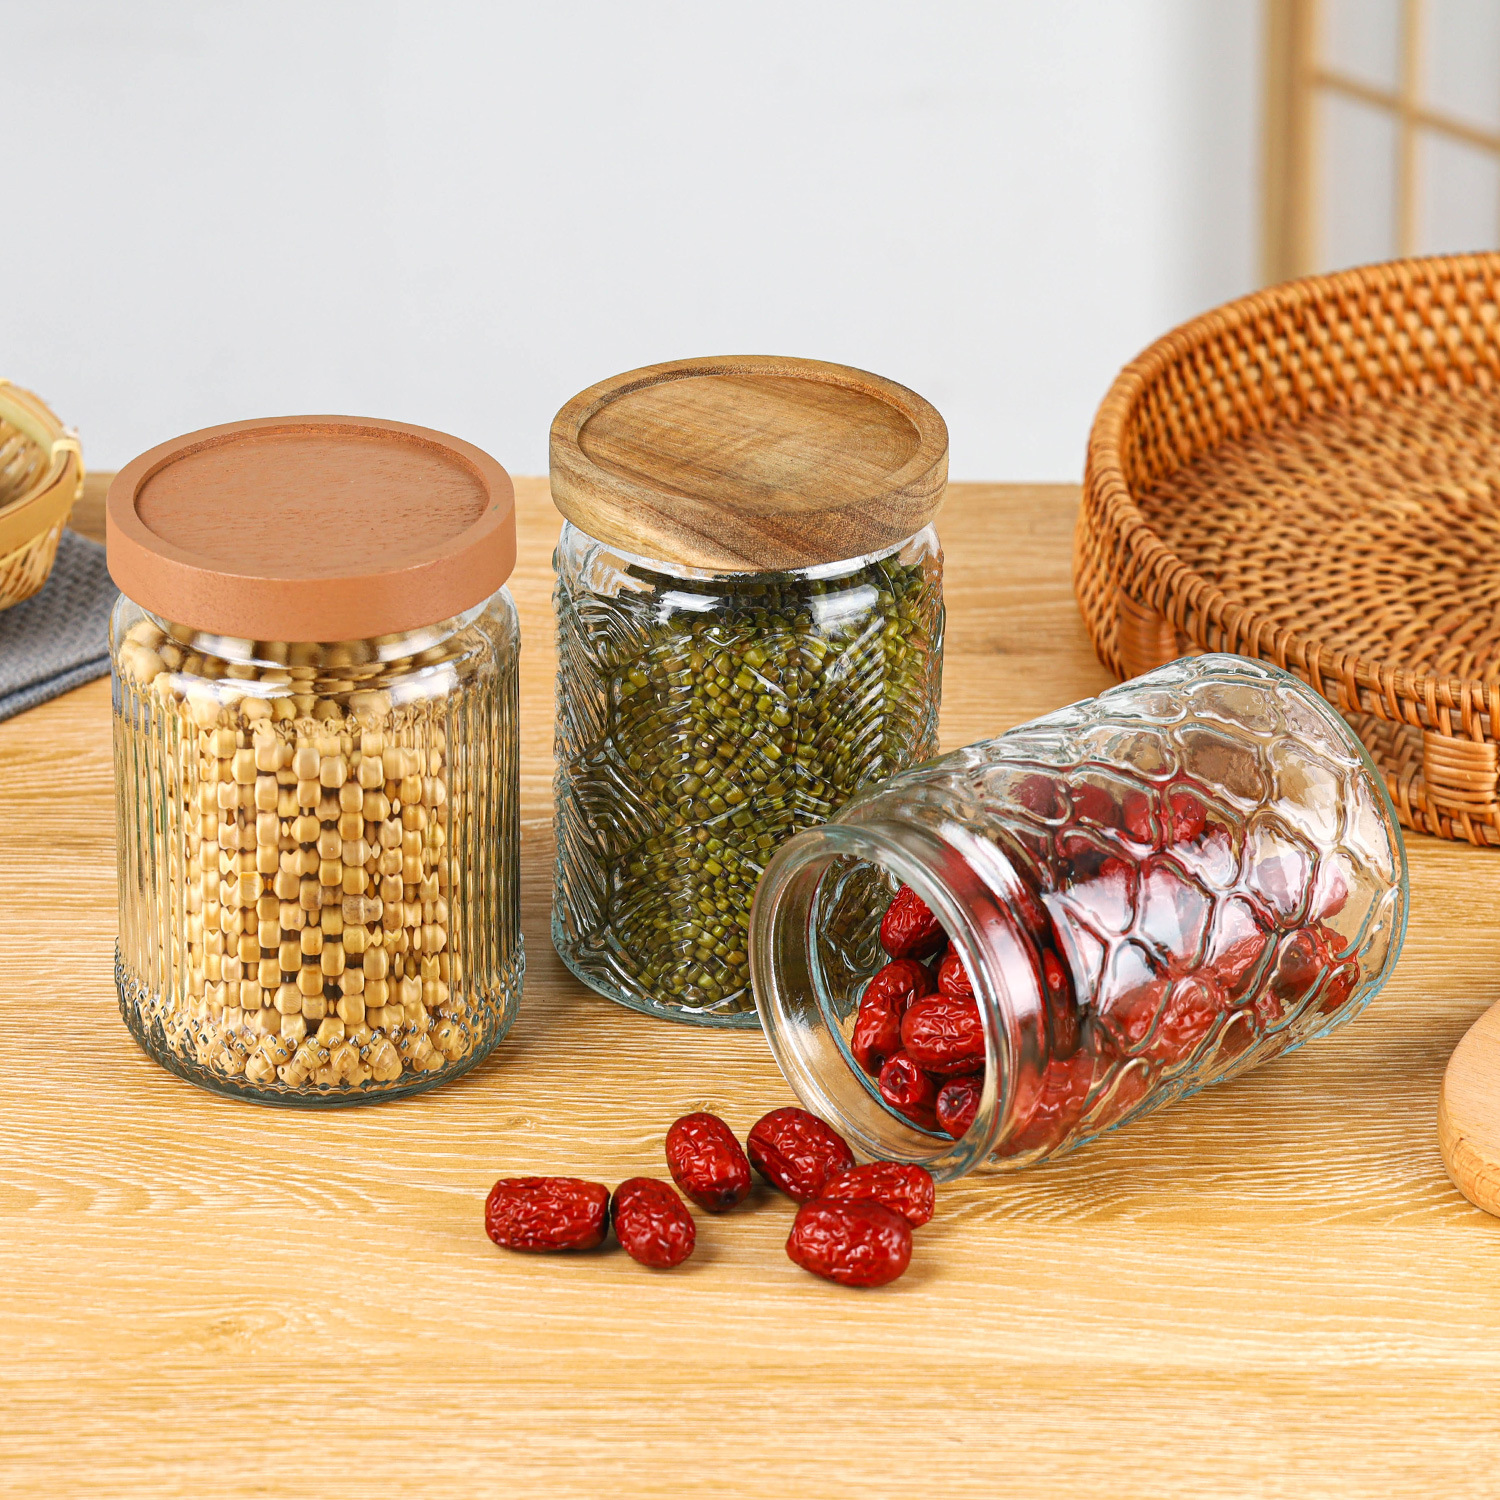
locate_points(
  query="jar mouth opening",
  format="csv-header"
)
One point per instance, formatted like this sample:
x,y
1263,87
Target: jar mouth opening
x,y
806,1014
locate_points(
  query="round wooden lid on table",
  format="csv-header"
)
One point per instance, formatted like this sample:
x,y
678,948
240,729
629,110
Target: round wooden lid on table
x,y
311,528
749,464
1469,1113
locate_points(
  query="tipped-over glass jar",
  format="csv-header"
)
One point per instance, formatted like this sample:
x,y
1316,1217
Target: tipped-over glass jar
x,y
750,624
316,758
1147,892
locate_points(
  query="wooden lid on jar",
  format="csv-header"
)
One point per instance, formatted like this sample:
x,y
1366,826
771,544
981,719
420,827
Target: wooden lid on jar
x,y
749,464
311,528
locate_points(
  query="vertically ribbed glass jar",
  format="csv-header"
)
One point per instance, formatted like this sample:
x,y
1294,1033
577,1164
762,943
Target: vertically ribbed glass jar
x,y
750,625
316,757
1144,893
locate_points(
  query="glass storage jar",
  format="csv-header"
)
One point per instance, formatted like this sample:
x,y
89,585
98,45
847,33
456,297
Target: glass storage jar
x,y
750,627
316,768
1149,891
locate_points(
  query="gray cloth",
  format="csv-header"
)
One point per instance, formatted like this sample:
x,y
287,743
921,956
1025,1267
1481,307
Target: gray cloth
x,y
59,638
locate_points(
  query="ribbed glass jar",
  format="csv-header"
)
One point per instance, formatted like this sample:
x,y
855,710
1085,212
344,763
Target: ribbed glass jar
x,y
1150,891
318,848
704,717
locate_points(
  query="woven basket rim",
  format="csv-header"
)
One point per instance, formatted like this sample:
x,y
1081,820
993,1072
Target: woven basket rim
x,y
48,499
1104,473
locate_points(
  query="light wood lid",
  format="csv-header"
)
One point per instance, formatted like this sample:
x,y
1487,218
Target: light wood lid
x,y
311,528
1469,1113
749,463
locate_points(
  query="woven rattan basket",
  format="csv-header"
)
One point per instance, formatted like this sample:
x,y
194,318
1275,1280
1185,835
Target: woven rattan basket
x,y
1311,475
41,476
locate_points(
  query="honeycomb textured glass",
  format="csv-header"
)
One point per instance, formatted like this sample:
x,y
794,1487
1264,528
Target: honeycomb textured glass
x,y
701,719
1153,890
318,855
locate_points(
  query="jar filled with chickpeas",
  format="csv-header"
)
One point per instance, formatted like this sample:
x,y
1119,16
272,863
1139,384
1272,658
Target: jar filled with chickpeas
x,y
316,777
750,628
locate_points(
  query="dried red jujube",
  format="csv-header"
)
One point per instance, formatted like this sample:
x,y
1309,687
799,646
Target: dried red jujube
x,y
908,929
707,1162
953,979
1056,1105
943,1034
958,1103
1177,818
909,1090
1164,1019
795,1151
853,1244
547,1213
1062,1012
876,1035
902,1187
652,1223
897,984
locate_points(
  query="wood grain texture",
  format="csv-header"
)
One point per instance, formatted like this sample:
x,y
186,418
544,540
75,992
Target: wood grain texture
x,y
749,463
1270,1290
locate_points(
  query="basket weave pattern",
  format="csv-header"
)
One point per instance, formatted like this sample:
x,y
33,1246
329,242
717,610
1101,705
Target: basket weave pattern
x,y
41,475
1311,476
24,571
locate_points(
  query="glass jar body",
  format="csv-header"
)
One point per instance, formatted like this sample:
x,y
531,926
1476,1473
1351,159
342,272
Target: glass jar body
x,y
318,854
701,720
1150,891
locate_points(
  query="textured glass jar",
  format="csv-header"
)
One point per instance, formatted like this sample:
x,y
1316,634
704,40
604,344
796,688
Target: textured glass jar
x,y
750,628
318,838
703,718
1151,890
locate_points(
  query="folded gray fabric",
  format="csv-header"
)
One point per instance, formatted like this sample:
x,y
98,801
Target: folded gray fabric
x,y
58,639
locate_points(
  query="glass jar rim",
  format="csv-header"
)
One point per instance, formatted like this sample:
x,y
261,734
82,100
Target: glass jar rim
x,y
814,573
972,917
393,646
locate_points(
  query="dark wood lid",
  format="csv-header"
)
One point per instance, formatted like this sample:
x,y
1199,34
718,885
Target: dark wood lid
x,y
311,528
749,463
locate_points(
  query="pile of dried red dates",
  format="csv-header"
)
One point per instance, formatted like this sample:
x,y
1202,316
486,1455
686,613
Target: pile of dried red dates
x,y
854,1226
1251,957
918,1029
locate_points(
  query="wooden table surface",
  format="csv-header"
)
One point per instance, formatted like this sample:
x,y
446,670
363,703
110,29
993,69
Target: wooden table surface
x,y
1271,1289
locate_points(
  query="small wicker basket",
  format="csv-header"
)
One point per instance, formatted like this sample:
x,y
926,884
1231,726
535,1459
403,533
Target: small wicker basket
x,y
1311,475
41,477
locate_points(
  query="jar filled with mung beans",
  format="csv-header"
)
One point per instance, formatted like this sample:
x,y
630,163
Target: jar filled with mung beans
x,y
750,628
316,776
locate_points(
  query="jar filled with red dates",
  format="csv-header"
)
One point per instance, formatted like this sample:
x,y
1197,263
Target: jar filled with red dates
x,y
1001,954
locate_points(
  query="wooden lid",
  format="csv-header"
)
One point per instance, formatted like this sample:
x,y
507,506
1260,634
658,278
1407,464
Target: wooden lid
x,y
748,464
311,528
1469,1113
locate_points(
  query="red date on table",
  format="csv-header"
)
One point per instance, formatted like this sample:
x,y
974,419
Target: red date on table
x,y
547,1213
902,1187
707,1162
853,1244
795,1151
652,1223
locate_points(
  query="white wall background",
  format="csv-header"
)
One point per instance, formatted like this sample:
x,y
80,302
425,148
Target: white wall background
x,y
460,212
